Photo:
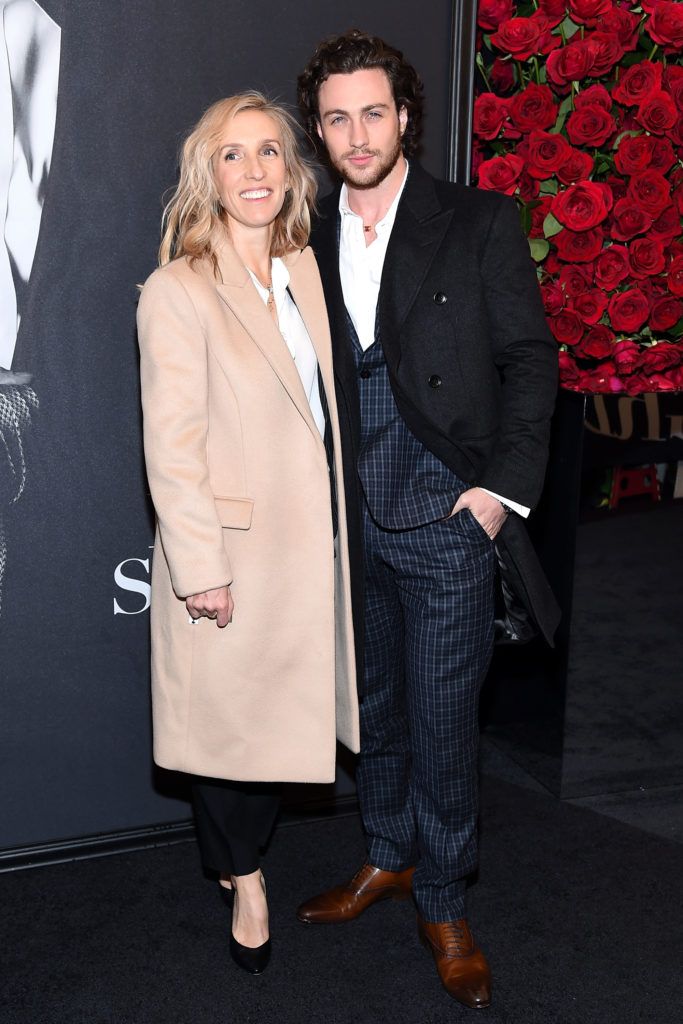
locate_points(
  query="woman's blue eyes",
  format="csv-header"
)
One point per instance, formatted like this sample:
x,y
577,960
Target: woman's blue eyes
x,y
266,151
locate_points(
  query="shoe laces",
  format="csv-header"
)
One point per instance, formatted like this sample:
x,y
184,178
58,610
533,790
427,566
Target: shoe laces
x,y
455,939
360,876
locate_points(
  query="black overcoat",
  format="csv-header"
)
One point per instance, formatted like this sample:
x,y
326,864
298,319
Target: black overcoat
x,y
472,365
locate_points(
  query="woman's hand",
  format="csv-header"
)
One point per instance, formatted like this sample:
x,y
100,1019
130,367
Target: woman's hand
x,y
212,604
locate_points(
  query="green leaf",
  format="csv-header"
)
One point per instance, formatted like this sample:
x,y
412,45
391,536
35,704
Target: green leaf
x,y
525,217
551,226
604,165
622,135
568,28
549,187
566,105
677,330
539,249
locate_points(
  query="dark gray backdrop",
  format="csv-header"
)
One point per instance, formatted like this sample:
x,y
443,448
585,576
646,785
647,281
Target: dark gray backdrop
x,y
75,734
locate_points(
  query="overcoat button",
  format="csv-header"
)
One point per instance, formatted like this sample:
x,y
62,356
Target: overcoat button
x,y
364,374
440,298
434,381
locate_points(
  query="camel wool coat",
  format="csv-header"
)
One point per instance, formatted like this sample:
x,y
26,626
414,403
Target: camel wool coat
x,y
239,479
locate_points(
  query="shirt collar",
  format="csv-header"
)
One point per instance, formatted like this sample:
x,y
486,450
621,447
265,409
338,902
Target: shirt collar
x,y
388,218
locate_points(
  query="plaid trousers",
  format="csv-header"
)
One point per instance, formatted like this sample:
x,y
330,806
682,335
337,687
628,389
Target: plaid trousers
x,y
429,640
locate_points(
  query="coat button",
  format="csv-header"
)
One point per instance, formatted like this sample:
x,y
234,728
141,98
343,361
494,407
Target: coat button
x,y
434,381
440,299
364,374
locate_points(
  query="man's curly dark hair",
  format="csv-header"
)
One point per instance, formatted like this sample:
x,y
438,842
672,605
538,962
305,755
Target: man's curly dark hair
x,y
357,51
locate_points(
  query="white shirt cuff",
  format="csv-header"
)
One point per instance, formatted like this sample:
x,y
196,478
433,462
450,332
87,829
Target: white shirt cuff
x,y
521,510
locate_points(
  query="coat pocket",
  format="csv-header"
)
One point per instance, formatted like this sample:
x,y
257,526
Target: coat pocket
x,y
234,513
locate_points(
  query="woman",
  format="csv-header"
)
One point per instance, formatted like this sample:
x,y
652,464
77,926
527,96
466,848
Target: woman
x,y
252,659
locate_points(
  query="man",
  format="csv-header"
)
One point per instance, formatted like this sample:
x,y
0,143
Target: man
x,y
446,376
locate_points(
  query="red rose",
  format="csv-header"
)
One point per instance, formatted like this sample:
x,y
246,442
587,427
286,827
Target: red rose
x,y
590,305
602,380
579,246
521,37
538,215
626,356
586,12
607,51
634,153
612,267
528,187
597,344
533,108
650,191
582,206
490,111
502,75
657,113
567,327
637,82
663,155
501,173
676,133
575,279
628,310
545,154
661,356
569,373
654,288
617,186
646,256
491,12
666,312
636,384
675,276
629,220
623,24
593,96
577,166
554,10
569,64
590,126
673,83
553,299
667,226
678,198
665,27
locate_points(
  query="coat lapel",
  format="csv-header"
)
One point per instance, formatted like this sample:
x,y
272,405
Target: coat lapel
x,y
240,295
325,246
419,230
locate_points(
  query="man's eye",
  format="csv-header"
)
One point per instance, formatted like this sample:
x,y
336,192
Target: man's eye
x,y
337,120
374,114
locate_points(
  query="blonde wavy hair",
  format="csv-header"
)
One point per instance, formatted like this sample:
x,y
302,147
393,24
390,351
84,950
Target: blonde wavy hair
x,y
194,211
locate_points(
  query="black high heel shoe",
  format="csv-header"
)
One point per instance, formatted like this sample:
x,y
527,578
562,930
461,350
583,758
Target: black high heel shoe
x,y
253,960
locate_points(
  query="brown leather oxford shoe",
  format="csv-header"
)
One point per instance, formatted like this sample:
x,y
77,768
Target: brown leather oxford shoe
x,y
462,967
345,902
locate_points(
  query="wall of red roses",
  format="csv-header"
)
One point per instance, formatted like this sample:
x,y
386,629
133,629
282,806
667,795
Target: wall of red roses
x,y
580,118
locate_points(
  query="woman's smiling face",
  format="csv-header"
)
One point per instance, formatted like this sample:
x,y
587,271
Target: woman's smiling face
x,y
249,170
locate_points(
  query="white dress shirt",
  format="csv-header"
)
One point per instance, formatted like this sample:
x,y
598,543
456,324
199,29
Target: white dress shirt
x,y
360,270
296,337
29,71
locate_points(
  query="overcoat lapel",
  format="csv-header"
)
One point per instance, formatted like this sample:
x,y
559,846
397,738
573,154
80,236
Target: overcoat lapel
x,y
239,293
419,230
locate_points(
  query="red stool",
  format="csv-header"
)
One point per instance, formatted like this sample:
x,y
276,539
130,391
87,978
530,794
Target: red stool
x,y
628,481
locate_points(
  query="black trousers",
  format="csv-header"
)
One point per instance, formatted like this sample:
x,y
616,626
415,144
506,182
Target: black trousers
x,y
233,821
